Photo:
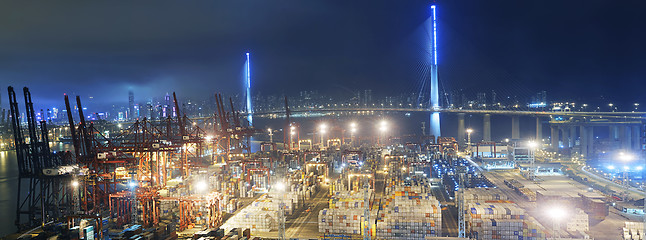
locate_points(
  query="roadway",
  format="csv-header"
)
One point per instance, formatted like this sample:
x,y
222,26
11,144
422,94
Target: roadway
x,y
634,193
302,224
305,225
622,115
449,212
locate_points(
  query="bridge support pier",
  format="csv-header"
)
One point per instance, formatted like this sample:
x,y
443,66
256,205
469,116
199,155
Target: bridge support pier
x,y
461,129
572,141
614,133
554,137
626,141
590,147
626,137
539,130
515,128
636,144
486,131
566,136
583,141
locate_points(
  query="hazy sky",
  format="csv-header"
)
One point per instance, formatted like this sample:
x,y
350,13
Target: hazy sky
x,y
574,49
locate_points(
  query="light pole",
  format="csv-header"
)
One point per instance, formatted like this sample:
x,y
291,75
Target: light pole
x,y
353,129
532,158
469,131
556,213
271,135
383,128
626,158
75,196
280,186
322,130
292,132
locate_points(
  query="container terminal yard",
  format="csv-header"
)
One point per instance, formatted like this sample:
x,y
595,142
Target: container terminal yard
x,y
197,178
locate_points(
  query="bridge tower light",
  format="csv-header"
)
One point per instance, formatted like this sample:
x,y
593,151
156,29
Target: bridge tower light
x,y
434,125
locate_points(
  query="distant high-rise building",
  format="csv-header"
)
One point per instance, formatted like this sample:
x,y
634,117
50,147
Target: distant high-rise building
x,y
135,112
494,101
367,97
540,100
543,96
131,105
481,99
55,113
166,107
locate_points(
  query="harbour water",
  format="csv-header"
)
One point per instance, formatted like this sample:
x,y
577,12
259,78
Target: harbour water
x,y
8,191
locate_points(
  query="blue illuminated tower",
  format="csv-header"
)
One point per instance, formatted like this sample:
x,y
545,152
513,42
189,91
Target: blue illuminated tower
x,y
435,96
248,88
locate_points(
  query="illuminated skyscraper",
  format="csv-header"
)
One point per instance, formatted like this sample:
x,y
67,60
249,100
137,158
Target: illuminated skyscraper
x,y
131,106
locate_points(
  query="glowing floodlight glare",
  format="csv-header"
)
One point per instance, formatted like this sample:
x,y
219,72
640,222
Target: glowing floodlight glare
x,y
556,213
201,186
280,186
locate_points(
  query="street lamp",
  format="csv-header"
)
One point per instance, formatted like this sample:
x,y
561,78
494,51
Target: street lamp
x,y
292,132
556,213
353,130
77,202
532,158
322,130
625,157
201,186
271,135
383,127
469,131
280,186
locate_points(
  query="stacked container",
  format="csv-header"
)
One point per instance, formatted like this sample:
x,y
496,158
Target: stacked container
x,y
350,200
529,194
495,220
633,230
345,213
406,214
262,214
533,230
484,194
578,221
342,221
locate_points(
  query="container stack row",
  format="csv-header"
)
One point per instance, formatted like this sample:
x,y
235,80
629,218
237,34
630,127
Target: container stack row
x,y
340,221
633,231
345,212
495,220
406,214
262,214
533,230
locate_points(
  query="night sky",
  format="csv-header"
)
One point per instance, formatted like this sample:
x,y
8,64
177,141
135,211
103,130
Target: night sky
x,y
575,50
